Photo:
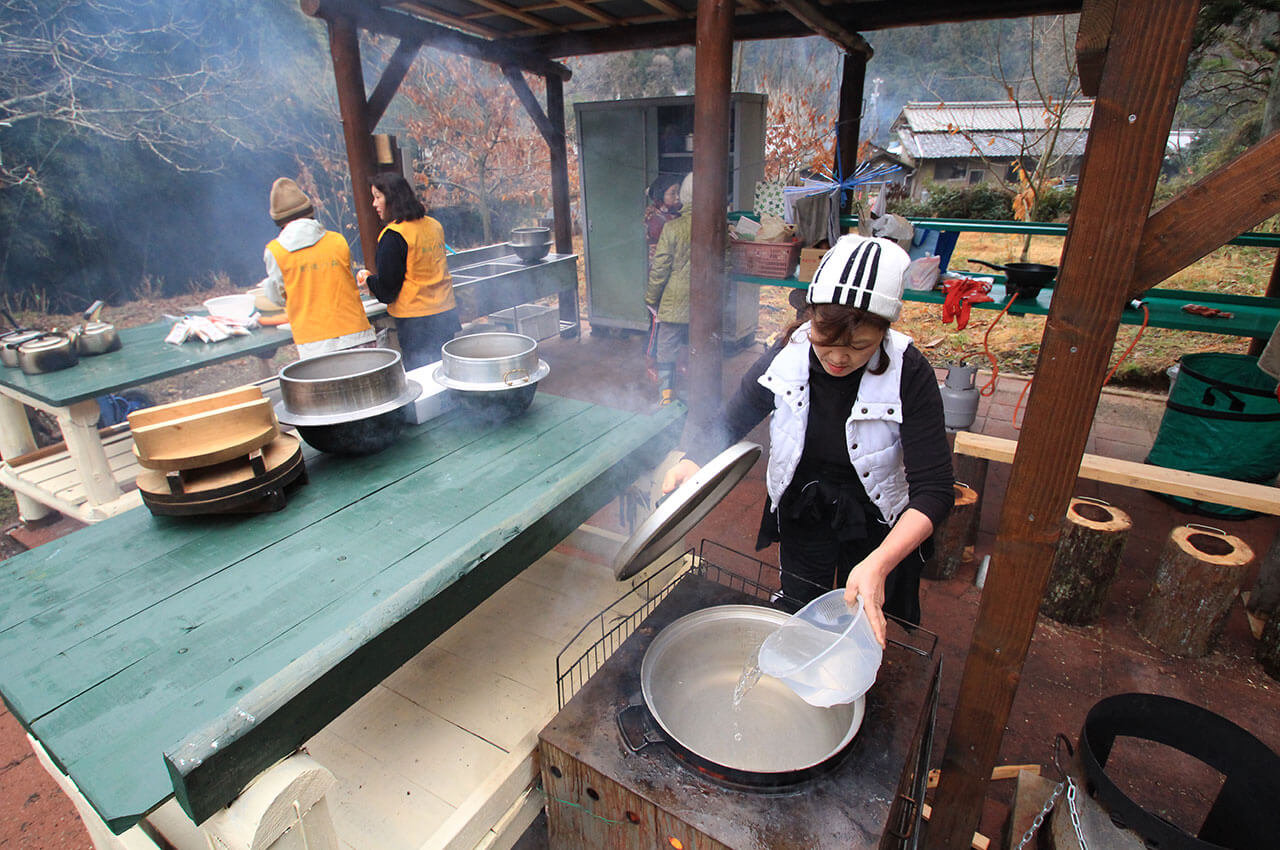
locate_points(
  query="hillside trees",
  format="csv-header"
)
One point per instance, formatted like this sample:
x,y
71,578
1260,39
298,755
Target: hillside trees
x,y
476,145
136,140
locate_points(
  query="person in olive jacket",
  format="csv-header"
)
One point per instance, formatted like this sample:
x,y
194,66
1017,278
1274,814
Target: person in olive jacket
x,y
413,277
309,272
668,290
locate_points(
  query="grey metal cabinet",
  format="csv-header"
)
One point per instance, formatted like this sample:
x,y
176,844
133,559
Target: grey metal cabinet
x,y
623,145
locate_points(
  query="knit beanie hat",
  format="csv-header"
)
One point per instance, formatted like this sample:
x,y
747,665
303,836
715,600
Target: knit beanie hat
x,y
686,191
287,199
866,272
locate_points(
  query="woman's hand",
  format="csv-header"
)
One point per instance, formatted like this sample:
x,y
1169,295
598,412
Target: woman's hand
x,y
866,580
678,474
361,276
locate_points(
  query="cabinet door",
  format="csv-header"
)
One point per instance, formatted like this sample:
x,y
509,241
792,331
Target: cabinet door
x,y
612,150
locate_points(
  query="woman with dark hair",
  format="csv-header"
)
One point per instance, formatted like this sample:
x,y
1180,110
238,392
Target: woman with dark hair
x,y
859,470
413,277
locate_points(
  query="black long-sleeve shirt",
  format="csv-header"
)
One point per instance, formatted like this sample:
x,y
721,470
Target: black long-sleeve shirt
x,y
392,260
926,454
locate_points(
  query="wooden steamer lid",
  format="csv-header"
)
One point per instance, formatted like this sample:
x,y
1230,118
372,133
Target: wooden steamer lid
x,y
253,483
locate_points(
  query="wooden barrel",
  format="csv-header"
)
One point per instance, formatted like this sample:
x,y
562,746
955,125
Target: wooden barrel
x,y
1199,574
1086,561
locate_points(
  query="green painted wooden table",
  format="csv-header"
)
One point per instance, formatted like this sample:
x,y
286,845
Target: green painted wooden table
x,y
69,395
154,656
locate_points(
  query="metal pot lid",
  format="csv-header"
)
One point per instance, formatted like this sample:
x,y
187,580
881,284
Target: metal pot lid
x,y
44,342
524,378
15,338
412,389
687,505
97,328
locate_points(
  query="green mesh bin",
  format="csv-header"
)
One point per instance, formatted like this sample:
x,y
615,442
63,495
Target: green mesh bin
x,y
1223,419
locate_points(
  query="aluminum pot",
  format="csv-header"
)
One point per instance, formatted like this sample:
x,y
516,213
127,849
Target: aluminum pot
x,y
771,738
347,402
342,383
47,352
531,236
492,376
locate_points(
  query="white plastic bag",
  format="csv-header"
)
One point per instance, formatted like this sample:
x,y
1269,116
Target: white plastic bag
x,y
922,274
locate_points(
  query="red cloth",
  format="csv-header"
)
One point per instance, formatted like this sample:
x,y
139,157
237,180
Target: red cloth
x,y
962,293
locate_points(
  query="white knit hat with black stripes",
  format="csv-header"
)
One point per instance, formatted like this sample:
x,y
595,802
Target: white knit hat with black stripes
x,y
866,272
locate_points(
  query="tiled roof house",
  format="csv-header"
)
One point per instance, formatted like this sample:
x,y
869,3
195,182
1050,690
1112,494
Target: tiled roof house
x,y
976,142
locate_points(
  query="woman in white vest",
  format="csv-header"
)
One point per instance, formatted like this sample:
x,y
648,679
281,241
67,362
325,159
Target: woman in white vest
x,y
859,468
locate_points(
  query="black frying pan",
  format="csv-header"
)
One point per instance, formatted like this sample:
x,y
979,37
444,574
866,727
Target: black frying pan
x,y
1024,278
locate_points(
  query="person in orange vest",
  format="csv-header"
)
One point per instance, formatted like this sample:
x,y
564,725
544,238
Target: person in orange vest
x,y
309,272
413,278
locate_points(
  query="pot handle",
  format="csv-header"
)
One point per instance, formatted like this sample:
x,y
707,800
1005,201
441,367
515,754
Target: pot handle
x,y
988,265
634,725
521,377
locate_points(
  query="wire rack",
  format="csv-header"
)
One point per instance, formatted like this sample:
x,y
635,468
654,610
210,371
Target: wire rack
x,y
584,654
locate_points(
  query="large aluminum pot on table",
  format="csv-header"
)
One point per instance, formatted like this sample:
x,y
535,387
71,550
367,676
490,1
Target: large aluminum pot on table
x,y
492,375
347,402
770,739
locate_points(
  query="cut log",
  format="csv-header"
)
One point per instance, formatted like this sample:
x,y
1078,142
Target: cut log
x,y
1268,650
951,538
1088,557
1264,599
1199,573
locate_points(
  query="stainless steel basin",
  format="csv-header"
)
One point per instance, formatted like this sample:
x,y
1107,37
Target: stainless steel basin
x,y
490,269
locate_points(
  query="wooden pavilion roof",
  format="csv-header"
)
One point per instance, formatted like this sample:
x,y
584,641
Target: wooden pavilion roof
x,y
507,31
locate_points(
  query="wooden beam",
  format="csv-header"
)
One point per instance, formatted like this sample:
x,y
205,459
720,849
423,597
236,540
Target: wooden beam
x,y
525,95
389,83
818,21
561,211
1149,45
713,69
387,22
1197,221
1092,37
1262,498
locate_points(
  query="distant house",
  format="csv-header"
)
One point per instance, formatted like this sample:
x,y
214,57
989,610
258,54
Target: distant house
x,y
968,143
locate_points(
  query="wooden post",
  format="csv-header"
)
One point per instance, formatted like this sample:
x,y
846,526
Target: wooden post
x,y
853,80
16,439
288,798
1197,578
713,67
1093,535
344,45
561,212
1138,92
950,541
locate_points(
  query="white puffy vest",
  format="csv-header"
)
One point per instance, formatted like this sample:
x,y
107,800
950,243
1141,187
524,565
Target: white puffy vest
x,y
871,431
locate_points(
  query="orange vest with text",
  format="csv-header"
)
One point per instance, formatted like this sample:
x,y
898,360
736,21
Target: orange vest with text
x,y
428,288
321,298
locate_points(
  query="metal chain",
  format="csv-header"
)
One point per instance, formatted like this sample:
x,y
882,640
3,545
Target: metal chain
x,y
1039,819
1075,814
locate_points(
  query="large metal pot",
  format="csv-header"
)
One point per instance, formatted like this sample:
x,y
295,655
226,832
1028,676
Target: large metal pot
x,y
347,402
771,738
96,338
531,243
493,375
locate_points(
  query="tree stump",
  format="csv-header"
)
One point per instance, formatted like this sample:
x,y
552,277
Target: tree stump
x,y
972,472
1264,600
1197,577
950,540
1085,564
1268,651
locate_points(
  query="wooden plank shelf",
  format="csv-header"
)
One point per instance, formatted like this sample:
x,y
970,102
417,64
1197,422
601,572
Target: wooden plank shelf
x,y
50,476
1174,482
